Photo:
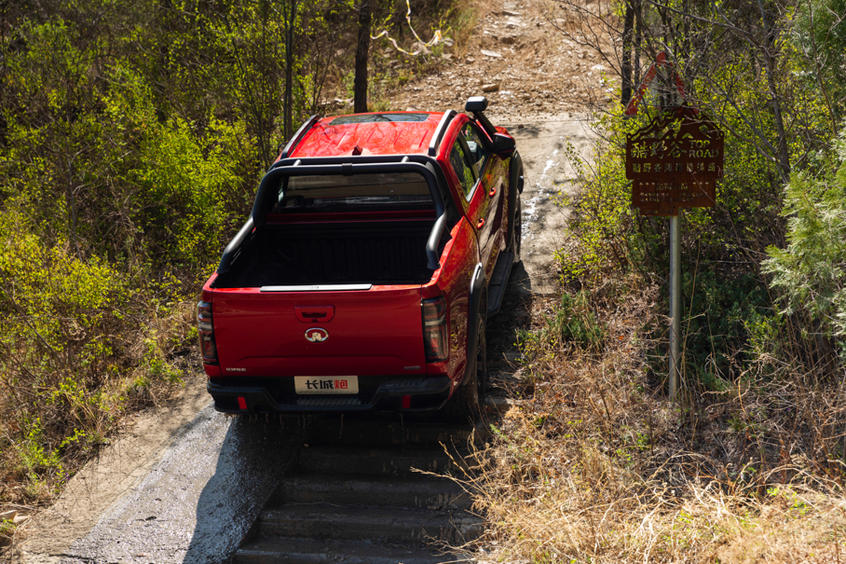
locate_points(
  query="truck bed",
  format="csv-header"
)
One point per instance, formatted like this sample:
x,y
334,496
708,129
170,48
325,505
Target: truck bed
x,y
356,252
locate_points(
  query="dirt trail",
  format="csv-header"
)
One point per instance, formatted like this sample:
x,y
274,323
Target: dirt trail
x,y
540,85
527,68
160,490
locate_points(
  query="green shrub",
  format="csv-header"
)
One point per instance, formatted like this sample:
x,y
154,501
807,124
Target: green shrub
x,y
603,224
180,186
573,322
810,272
60,324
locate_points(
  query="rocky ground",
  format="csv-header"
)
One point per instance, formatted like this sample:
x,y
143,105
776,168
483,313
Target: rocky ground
x,y
524,58
165,488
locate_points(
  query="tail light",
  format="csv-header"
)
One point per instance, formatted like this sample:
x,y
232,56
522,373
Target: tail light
x,y
206,330
435,331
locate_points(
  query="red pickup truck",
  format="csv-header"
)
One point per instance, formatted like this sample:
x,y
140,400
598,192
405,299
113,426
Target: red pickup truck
x,y
377,247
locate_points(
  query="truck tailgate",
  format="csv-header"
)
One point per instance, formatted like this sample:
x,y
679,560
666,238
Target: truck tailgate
x,y
377,331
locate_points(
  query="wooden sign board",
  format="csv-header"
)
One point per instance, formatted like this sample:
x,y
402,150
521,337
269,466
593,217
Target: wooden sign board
x,y
674,162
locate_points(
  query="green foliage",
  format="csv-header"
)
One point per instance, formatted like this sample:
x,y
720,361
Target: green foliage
x,y
576,322
810,272
49,296
34,457
132,138
59,335
180,183
719,314
603,223
820,38
7,530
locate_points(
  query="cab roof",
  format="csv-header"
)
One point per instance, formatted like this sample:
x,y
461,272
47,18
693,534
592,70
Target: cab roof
x,y
384,133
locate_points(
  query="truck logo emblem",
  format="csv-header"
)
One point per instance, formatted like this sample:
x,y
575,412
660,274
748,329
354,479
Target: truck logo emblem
x,y
316,335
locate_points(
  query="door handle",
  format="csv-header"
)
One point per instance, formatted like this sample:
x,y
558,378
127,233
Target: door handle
x,y
480,223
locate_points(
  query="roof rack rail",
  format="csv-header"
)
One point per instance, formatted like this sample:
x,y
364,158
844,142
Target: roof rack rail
x,y
298,136
439,132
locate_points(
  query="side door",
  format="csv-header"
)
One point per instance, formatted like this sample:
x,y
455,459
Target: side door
x,y
481,188
491,171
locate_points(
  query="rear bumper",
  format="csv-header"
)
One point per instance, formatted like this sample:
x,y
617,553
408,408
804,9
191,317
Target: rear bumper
x,y
275,395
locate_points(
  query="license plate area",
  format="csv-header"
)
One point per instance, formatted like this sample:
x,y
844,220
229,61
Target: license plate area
x,y
325,385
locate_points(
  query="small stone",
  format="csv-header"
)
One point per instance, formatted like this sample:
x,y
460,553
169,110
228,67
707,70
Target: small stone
x,y
492,54
8,515
492,87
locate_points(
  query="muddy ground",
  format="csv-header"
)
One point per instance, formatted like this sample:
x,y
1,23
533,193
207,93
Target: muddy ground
x,y
183,483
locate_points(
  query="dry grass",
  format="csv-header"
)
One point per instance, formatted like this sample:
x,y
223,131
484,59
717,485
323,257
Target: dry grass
x,y
599,467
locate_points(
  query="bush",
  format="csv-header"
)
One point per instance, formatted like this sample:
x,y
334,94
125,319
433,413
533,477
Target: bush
x,y
810,273
60,323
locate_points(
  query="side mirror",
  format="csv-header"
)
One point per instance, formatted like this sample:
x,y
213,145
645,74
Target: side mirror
x,y
503,145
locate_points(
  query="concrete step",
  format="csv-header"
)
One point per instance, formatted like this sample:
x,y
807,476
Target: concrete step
x,y
286,550
415,491
382,524
351,430
344,460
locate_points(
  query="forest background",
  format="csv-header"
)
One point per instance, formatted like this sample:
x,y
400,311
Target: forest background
x,y
132,137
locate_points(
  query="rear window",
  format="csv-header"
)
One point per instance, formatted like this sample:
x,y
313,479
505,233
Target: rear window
x,y
357,191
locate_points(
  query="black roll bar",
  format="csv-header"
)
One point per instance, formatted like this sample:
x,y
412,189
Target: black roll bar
x,y
433,244
302,167
231,250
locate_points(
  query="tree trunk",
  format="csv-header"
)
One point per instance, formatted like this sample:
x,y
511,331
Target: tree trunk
x,y
288,109
638,10
770,63
626,63
361,52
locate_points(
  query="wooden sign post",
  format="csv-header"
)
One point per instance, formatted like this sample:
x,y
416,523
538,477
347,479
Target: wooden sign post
x,y
674,162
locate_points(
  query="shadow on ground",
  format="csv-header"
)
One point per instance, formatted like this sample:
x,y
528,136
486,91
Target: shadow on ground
x,y
515,314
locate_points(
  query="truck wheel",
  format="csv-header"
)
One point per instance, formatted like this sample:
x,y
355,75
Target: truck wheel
x,y
466,401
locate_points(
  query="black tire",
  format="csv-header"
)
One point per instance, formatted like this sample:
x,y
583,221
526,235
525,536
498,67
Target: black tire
x,y
467,400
